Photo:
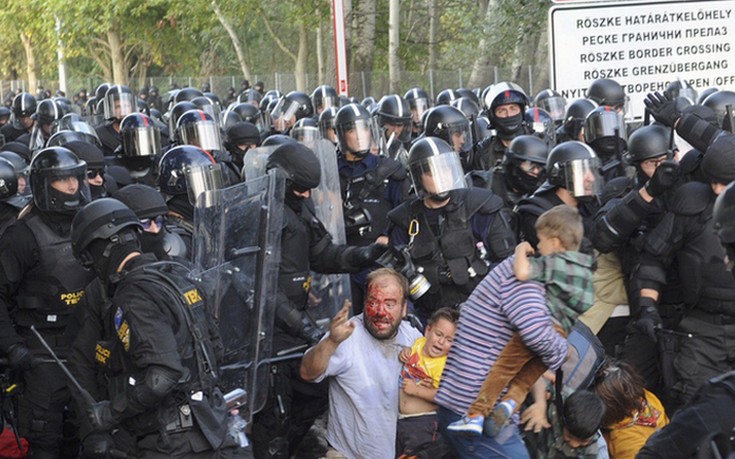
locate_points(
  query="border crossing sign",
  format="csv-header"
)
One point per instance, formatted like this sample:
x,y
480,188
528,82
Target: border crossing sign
x,y
643,46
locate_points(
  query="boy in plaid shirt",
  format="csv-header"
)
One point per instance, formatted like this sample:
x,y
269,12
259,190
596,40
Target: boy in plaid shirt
x,y
567,276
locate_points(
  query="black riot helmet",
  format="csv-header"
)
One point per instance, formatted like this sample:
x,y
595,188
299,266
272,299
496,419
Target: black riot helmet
x,y
541,123
289,109
196,127
189,170
229,119
446,97
469,108
306,131
64,104
252,114
526,159
4,113
72,122
682,88
323,97
176,111
419,101
298,163
506,93
58,164
435,168
21,168
277,139
605,132
119,102
574,166
106,220
705,94
356,130
101,90
250,96
187,94
554,103
394,110
607,92
450,125
464,92
723,104
326,124
48,113
24,106
649,142
140,136
369,102
575,116
206,105
8,180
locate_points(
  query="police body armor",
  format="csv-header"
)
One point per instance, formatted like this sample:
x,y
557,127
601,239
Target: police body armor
x,y
196,399
294,274
451,260
706,283
365,195
55,286
109,138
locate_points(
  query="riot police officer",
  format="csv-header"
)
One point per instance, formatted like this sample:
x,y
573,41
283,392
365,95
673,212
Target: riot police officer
x,y
449,124
419,101
324,97
572,126
48,113
293,404
604,131
451,233
289,109
8,191
505,104
604,91
572,171
23,108
41,285
239,138
394,119
166,341
139,149
118,102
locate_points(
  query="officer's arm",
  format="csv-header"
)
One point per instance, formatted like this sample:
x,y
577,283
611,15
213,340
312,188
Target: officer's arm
x,y
18,254
697,132
619,218
144,395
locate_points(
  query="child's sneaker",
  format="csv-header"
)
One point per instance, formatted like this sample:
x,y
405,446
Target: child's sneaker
x,y
469,425
501,416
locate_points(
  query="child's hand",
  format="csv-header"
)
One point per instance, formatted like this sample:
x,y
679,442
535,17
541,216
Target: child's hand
x,y
524,248
411,387
534,417
405,355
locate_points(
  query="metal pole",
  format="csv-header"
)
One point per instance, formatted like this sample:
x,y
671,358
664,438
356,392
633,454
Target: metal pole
x,y
530,80
431,83
495,72
60,56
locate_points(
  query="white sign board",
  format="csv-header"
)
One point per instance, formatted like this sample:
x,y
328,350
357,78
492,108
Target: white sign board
x,y
642,46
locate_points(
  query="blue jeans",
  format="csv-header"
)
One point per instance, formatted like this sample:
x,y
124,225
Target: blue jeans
x,y
481,447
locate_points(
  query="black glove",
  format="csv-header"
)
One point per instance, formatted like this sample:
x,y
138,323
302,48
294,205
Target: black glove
x,y
98,445
662,107
311,333
101,417
20,357
365,256
649,320
664,178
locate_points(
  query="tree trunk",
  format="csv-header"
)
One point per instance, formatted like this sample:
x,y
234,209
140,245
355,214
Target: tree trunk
x,y
431,8
394,66
320,53
119,71
363,41
301,59
30,63
480,68
233,38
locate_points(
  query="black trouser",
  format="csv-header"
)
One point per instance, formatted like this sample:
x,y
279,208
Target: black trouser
x,y
290,410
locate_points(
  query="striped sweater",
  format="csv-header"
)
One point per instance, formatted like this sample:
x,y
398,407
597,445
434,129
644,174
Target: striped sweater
x,y
498,307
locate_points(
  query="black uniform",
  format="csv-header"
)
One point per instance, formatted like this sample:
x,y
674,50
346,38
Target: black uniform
x,y
455,245
709,414
11,133
293,404
40,284
162,369
109,137
686,235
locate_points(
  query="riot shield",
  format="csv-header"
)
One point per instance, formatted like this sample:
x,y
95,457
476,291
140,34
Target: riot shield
x,y
236,253
327,291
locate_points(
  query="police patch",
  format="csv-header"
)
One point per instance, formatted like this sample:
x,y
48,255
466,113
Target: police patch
x,y
121,326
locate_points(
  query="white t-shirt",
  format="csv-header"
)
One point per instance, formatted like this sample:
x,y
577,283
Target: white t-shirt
x,y
363,392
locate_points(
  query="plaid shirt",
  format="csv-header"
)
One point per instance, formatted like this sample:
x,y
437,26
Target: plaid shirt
x,y
568,280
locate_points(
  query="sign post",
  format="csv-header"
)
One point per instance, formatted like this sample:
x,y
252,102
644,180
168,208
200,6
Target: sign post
x,y
644,46
340,48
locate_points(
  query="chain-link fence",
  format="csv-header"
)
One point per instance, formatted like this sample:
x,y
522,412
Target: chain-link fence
x,y
362,84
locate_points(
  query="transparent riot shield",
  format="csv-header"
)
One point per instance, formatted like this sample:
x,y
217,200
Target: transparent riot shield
x,y
236,253
327,291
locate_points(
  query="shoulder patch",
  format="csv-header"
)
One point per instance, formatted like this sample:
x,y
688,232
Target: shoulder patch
x,y
122,328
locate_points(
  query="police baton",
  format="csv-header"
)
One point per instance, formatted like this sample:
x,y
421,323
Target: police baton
x,y
85,395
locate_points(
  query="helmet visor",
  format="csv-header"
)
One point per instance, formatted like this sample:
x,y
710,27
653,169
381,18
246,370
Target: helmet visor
x,y
582,177
284,114
61,190
437,175
308,135
357,136
203,178
460,137
203,134
555,106
141,141
607,124
418,107
118,106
